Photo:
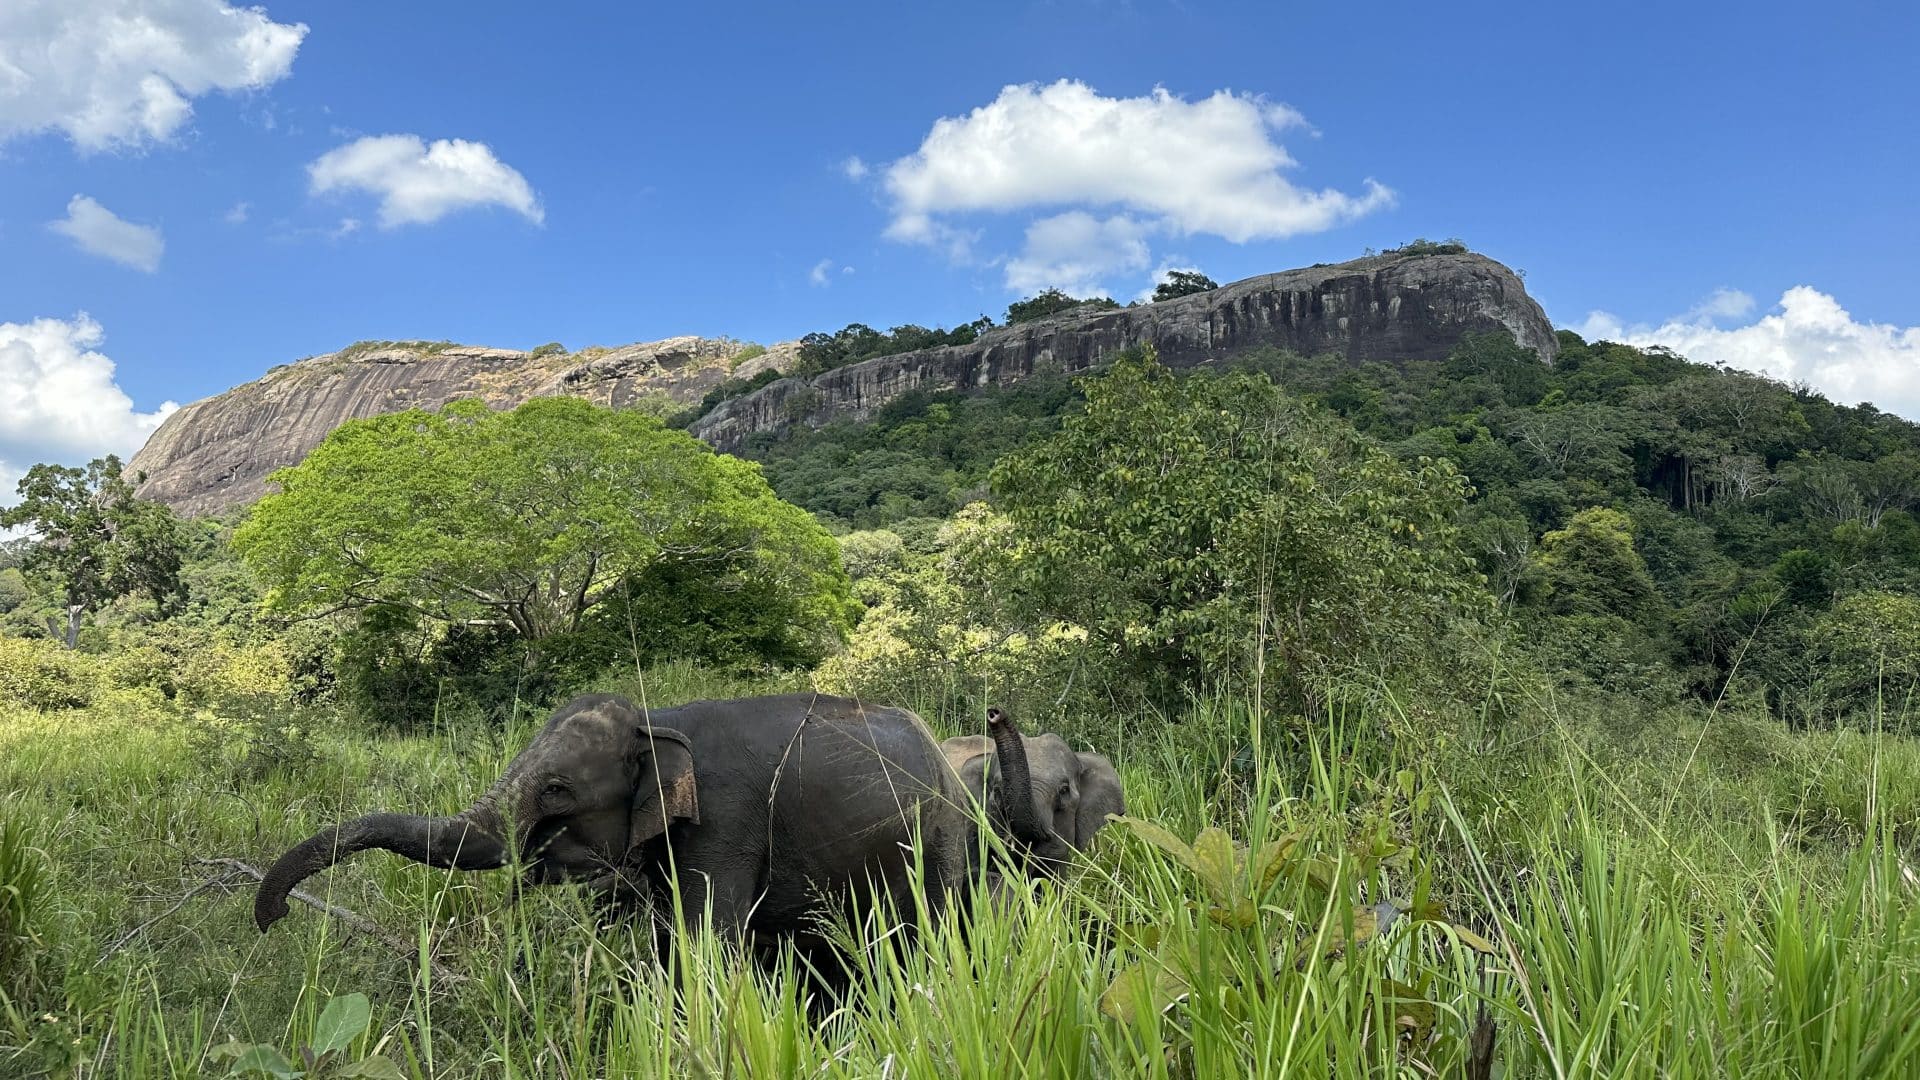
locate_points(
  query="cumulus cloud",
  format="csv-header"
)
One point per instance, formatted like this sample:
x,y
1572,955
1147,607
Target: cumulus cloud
x,y
854,168
112,73
59,401
1169,165
1074,251
418,184
238,213
97,230
1807,337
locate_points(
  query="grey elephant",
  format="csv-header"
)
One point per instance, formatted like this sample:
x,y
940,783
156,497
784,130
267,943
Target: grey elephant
x,y
772,810
1069,794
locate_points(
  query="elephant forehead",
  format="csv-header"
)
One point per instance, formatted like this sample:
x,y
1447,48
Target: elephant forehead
x,y
598,733
1050,744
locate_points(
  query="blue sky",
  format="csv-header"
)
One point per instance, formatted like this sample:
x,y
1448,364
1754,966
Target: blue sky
x,y
192,192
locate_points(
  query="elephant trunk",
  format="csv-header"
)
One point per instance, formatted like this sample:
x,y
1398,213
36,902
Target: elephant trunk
x,y
470,840
1016,783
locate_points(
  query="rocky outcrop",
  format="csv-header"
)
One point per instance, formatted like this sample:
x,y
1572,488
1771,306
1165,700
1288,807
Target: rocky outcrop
x,y
215,454
1386,307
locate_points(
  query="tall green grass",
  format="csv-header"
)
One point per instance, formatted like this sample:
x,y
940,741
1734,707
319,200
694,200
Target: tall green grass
x,y
1667,900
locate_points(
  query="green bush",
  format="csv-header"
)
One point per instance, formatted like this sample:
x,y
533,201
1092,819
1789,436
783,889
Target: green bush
x,y
36,673
1424,246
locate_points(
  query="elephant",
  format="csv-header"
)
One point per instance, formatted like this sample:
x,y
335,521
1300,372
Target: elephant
x,y
1071,793
772,810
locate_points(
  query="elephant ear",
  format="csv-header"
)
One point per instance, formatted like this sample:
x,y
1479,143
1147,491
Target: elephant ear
x,y
665,790
968,756
1100,795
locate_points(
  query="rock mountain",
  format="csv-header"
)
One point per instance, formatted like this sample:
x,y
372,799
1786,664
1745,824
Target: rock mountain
x,y
215,454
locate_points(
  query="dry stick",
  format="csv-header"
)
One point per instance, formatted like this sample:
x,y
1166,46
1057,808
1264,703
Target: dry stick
x,y
123,940
351,918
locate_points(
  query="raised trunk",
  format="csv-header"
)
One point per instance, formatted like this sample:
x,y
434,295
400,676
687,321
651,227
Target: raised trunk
x,y
1016,783
467,841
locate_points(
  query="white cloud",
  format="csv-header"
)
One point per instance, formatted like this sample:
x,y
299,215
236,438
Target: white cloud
x,y
1808,337
238,214
59,401
1721,303
114,73
855,168
419,184
1167,164
1075,250
818,276
97,230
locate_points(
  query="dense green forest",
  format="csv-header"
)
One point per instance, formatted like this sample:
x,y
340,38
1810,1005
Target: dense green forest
x,y
1657,525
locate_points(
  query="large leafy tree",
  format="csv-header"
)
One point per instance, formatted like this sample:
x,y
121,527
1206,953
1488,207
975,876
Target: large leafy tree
x,y
1181,283
529,521
1192,525
94,541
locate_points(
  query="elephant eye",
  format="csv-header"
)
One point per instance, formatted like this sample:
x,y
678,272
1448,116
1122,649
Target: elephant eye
x,y
554,788
1063,799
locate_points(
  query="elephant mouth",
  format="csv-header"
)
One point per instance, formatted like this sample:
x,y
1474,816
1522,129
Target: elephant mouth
x,y
551,856
536,855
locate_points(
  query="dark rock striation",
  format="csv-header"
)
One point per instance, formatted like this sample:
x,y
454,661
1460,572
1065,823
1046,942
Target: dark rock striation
x,y
215,454
1385,307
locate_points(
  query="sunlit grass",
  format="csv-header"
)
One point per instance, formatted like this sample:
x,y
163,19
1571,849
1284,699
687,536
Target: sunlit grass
x,y
1759,920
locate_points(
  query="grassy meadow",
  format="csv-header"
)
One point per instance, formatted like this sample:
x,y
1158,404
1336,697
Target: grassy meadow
x,y
1689,894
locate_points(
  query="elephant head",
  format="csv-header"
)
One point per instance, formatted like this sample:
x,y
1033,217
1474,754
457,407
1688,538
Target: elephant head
x,y
1045,795
595,785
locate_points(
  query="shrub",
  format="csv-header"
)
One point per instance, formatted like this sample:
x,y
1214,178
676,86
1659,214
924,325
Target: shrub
x,y
36,673
1423,246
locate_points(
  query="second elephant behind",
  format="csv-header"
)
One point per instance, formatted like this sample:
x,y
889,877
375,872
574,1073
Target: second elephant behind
x,y
1071,793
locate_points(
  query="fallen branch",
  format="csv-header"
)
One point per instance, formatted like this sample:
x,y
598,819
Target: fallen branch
x,y
351,918
123,940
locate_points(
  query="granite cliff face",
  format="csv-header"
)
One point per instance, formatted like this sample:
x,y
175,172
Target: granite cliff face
x,y
1386,307
215,454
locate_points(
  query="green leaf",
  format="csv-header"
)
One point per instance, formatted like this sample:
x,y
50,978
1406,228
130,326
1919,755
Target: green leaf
x,y
1240,915
1152,983
341,1022
375,1067
1265,865
1472,940
1213,861
264,1059
1159,837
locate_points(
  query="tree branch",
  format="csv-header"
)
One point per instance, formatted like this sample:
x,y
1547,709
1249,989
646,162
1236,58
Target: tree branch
x,y
351,918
